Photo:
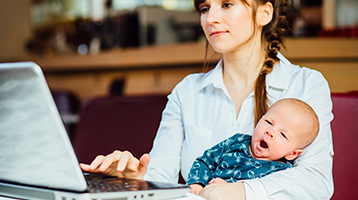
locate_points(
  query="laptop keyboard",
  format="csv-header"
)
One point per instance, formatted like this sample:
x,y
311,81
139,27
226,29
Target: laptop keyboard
x,y
99,183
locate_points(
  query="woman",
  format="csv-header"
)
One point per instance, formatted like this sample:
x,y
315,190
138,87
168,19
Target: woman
x,y
204,109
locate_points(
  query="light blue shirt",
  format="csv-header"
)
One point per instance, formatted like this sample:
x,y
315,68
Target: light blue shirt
x,y
201,113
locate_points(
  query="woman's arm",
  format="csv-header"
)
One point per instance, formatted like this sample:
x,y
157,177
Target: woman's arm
x,y
224,191
167,146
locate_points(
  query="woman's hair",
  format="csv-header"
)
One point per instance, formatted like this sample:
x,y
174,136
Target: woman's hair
x,y
273,33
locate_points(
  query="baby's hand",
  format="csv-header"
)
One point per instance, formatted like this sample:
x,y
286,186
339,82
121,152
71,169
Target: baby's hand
x,y
217,180
195,188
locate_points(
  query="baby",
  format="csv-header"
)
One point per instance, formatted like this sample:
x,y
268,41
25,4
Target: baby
x,y
279,137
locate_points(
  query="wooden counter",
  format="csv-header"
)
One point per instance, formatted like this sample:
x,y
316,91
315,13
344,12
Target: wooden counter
x,y
157,69
128,59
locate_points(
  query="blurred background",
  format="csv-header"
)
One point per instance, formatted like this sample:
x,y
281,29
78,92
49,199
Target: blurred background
x,y
46,27
91,48
52,27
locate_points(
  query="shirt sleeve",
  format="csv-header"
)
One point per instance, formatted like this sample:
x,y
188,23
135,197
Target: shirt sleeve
x,y
311,176
164,165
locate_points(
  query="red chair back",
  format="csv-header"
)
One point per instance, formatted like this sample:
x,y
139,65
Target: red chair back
x,y
345,144
118,123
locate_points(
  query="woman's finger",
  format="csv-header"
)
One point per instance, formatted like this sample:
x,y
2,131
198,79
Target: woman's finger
x,y
123,161
143,164
109,160
85,167
96,163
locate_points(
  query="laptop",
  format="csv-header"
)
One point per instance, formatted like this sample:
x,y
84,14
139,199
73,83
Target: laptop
x,y
37,160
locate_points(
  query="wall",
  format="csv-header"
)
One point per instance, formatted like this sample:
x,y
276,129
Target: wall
x,y
15,28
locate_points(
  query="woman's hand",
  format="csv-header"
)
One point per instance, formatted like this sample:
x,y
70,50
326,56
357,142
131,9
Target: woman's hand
x,y
224,191
120,164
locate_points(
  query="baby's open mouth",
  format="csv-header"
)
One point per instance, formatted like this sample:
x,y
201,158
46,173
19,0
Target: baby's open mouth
x,y
263,144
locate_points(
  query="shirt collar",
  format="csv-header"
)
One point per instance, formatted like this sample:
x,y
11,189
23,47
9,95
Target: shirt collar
x,y
278,78
214,77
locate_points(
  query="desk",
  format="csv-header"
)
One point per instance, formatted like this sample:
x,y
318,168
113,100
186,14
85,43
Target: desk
x,y
189,196
130,189
186,197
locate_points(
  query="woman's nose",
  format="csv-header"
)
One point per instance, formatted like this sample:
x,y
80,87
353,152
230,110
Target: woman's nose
x,y
213,16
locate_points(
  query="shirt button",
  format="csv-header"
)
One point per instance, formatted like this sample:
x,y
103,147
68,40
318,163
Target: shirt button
x,y
331,154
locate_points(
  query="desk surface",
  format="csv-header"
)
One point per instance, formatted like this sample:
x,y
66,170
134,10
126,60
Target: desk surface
x,y
186,197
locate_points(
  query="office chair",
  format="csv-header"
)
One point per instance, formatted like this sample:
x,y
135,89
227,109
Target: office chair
x,y
68,105
118,123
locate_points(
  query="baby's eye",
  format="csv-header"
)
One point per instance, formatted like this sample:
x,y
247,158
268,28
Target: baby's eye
x,y
268,122
283,135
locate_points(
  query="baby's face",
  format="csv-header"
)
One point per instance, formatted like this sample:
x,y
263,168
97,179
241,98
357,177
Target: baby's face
x,y
277,133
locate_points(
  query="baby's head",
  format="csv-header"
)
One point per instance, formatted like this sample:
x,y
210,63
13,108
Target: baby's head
x,y
288,126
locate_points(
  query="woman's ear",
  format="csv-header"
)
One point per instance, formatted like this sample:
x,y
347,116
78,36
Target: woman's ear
x,y
264,14
293,154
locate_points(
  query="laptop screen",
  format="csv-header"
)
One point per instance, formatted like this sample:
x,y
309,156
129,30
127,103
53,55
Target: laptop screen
x,y
34,146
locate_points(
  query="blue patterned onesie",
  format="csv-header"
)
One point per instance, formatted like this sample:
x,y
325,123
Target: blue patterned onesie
x,y
232,161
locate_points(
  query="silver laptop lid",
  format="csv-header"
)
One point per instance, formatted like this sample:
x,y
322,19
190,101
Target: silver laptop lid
x,y
34,146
